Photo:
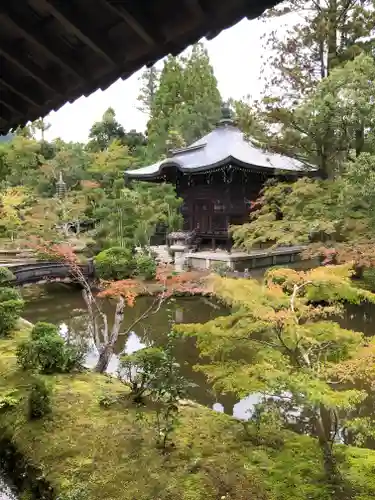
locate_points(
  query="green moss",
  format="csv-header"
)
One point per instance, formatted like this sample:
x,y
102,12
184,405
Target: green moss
x,y
111,454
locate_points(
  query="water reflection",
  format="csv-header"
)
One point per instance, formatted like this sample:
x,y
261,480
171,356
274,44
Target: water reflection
x,y
65,307
6,492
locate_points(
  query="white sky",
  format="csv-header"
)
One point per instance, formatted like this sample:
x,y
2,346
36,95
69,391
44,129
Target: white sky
x,y
235,55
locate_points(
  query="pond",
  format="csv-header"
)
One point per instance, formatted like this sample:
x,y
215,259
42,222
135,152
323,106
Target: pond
x,y
64,306
6,492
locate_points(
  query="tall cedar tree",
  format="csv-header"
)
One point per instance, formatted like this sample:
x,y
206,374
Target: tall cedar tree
x,y
325,34
186,104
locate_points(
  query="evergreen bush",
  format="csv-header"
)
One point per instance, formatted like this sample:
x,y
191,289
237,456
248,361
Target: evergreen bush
x,y
368,278
115,263
6,276
39,402
11,305
145,266
47,352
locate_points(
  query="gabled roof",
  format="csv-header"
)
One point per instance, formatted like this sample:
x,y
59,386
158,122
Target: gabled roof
x,y
54,51
223,146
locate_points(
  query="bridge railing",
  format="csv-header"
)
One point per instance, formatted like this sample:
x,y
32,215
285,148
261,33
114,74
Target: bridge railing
x,y
48,270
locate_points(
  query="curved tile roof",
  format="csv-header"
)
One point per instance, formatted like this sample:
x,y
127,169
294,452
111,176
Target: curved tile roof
x,y
226,144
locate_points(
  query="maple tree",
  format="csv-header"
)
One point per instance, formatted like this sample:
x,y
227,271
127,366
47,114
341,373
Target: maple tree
x,y
123,292
291,350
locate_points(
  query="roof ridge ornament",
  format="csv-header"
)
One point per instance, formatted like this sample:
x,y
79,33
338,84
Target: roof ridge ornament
x,y
227,115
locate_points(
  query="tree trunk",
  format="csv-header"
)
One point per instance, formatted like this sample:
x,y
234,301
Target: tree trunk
x,y
332,35
105,354
324,428
359,139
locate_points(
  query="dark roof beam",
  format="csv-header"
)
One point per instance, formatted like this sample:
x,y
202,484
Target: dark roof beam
x,y
13,102
17,56
75,22
5,113
43,41
135,18
7,105
25,92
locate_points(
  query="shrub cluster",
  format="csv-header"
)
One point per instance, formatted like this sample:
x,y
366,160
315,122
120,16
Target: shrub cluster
x,y
11,305
39,402
47,352
118,263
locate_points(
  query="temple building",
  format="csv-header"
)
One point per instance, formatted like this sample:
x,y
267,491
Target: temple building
x,y
218,177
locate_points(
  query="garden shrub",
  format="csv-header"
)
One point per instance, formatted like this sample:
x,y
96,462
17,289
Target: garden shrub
x,y
145,266
220,268
8,401
48,352
368,278
115,263
39,402
11,305
6,276
43,329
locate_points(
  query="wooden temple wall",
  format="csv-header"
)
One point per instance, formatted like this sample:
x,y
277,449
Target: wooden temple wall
x,y
211,207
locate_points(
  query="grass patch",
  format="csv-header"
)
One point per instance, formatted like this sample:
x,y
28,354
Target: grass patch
x,y
109,453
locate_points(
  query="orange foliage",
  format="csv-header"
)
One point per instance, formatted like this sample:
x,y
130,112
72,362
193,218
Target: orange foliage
x,y
361,253
359,369
171,284
191,283
128,289
61,252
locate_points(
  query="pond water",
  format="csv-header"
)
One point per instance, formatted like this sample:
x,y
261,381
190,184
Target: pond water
x,y
6,492
64,306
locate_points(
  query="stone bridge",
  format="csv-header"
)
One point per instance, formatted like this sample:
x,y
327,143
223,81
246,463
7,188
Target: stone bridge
x,y
46,271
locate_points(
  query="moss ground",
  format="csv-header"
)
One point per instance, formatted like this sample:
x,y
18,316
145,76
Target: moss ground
x,y
110,453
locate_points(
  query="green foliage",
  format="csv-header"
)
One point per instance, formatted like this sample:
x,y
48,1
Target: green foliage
x,y
11,305
213,458
106,131
139,370
291,349
145,266
322,213
6,276
116,263
8,401
39,402
220,268
154,373
321,38
76,494
106,400
185,105
131,218
368,279
47,352
42,329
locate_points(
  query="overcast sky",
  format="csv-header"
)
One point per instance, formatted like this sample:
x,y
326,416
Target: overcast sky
x,y
235,55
